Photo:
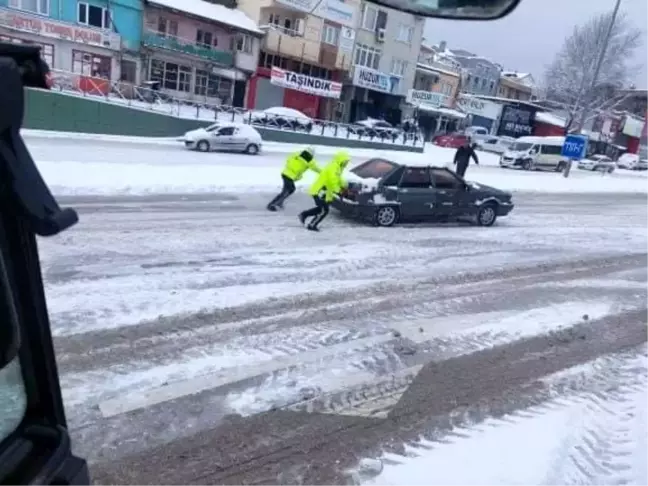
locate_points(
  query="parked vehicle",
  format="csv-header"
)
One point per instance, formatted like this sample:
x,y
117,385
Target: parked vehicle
x,y
632,162
535,153
496,145
374,128
385,192
230,137
478,135
452,140
597,163
283,118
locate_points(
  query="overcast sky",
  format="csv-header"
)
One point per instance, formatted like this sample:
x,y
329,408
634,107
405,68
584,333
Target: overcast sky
x,y
527,39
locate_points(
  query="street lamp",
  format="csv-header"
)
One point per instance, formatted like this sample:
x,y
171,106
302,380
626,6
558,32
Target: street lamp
x,y
597,69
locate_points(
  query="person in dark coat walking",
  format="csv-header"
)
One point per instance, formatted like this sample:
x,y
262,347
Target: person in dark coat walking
x,y
463,155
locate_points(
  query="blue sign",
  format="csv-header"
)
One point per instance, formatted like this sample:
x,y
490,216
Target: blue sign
x,y
574,147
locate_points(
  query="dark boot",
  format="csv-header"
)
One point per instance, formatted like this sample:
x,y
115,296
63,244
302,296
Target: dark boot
x,y
310,227
302,218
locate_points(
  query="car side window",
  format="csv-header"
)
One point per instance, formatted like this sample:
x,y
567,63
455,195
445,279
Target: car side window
x,y
444,179
393,178
226,131
416,178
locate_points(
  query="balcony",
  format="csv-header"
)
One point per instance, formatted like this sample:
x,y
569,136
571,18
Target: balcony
x,y
163,41
290,43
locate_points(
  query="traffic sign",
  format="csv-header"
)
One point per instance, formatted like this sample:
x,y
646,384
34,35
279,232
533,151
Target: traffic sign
x,y
574,147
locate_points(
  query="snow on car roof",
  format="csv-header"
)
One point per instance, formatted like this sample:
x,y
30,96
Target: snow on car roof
x,y
282,110
211,11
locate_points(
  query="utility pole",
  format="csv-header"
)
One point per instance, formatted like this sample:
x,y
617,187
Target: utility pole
x,y
597,69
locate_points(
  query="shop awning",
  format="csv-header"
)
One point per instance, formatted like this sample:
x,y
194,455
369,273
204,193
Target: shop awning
x,y
443,111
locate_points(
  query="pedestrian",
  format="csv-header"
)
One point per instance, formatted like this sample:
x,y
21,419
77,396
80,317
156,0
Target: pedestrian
x,y
463,155
294,170
329,183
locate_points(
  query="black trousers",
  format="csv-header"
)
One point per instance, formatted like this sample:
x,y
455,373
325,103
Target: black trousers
x,y
287,189
318,213
461,168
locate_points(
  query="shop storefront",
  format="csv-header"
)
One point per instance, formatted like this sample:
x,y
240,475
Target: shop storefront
x,y
482,113
517,120
376,95
631,133
276,86
92,54
433,113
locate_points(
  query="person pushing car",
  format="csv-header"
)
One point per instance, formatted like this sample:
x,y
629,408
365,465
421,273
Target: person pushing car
x,y
296,165
463,155
329,184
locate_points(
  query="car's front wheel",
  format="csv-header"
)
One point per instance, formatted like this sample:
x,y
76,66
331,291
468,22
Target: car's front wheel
x,y
386,216
203,146
252,149
487,214
527,164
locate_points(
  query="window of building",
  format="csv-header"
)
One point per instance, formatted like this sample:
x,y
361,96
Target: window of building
x,y
367,56
167,27
268,60
128,71
369,17
171,75
398,67
209,84
89,64
331,34
36,6
47,50
244,43
405,33
205,39
93,16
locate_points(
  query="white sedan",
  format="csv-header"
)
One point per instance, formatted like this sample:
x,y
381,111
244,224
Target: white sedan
x,y
597,163
632,162
230,137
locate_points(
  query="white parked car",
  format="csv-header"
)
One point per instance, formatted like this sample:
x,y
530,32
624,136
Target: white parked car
x,y
632,162
496,145
282,118
230,137
478,134
597,163
371,127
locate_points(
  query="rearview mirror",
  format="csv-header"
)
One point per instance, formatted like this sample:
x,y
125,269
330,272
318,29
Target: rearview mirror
x,y
454,9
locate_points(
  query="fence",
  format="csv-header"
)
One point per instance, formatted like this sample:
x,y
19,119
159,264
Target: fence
x,y
283,119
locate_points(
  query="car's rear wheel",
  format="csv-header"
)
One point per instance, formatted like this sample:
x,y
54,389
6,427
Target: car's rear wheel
x,y
487,214
560,167
252,149
203,146
386,216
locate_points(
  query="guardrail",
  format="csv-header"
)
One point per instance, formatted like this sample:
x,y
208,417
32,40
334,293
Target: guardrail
x,y
127,94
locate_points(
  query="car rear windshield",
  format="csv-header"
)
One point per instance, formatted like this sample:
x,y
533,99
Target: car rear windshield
x,y
374,169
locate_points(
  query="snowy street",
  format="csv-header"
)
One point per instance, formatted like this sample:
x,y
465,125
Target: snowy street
x,y
201,339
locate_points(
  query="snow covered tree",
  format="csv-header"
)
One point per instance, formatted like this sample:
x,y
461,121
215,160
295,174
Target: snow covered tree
x,y
568,79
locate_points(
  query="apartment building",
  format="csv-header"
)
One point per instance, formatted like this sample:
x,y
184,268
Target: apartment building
x,y
199,50
305,56
516,86
384,63
97,40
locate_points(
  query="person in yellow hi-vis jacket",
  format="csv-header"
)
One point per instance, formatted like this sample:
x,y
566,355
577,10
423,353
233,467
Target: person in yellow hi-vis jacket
x,y
296,165
329,183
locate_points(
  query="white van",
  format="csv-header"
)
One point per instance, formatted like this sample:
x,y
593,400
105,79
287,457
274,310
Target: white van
x,y
535,153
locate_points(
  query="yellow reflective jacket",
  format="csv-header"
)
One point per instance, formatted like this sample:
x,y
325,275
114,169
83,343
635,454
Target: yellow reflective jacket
x,y
296,165
329,183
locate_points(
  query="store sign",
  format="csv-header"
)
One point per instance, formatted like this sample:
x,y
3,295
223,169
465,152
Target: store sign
x,y
475,106
333,10
375,80
58,30
426,99
633,127
306,84
347,39
517,121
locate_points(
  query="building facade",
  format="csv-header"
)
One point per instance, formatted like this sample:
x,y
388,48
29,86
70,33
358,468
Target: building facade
x,y
199,51
384,63
97,40
516,86
305,55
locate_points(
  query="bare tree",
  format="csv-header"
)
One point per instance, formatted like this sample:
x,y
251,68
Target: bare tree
x,y
568,79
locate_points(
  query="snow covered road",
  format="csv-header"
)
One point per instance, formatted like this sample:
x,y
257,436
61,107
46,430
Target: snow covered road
x,y
202,339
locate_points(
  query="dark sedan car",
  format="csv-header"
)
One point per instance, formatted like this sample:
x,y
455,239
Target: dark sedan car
x,y
386,193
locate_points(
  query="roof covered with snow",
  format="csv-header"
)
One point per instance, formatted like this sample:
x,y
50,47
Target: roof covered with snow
x,y
550,119
210,11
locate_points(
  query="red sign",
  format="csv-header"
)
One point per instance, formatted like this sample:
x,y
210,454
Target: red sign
x,y
47,28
